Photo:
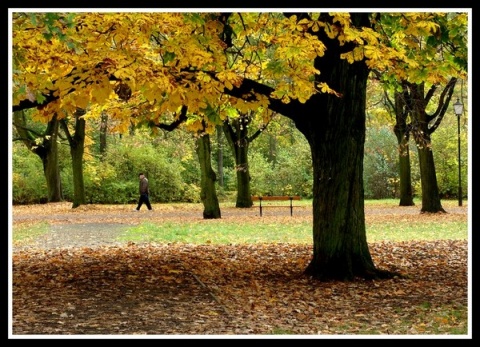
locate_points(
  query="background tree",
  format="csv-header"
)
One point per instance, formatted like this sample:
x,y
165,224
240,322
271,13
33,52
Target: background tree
x,y
219,131
76,142
440,58
403,136
208,178
423,126
236,131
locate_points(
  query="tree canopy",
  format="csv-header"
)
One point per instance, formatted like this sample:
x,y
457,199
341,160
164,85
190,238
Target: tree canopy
x,y
145,65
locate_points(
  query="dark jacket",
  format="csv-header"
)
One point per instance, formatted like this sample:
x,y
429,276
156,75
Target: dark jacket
x,y
143,188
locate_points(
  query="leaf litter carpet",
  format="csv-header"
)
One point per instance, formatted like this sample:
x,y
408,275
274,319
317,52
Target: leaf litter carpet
x,y
204,290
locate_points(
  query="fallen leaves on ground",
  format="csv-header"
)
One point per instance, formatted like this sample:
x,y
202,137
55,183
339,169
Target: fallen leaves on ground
x,y
182,289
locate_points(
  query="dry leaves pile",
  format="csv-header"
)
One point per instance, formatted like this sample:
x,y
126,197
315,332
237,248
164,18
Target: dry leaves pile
x,y
180,289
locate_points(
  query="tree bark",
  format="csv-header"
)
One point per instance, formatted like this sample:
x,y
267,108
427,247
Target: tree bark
x,y
77,147
403,136
208,195
236,133
421,133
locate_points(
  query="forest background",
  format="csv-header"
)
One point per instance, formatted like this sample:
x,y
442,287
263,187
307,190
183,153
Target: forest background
x,y
280,162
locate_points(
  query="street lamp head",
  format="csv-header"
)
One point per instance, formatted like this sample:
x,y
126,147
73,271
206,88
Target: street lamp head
x,y
458,107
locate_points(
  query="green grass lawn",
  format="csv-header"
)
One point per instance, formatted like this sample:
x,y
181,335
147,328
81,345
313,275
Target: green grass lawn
x,y
280,233
395,228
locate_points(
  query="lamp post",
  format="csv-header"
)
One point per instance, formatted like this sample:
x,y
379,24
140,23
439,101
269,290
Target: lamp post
x,y
458,109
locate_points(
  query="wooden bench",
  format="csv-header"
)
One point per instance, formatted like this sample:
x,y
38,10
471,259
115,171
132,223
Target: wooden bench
x,y
275,198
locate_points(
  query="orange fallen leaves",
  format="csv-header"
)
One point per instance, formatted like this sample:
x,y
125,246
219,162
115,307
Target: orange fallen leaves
x,y
167,289
172,289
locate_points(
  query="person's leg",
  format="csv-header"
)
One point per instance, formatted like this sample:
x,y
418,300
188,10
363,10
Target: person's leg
x,y
147,202
140,203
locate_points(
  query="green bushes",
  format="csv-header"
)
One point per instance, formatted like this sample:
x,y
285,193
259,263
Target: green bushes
x,y
279,165
28,182
380,165
290,174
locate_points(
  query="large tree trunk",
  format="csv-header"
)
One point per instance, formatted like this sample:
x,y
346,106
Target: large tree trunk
x,y
47,151
340,249
208,195
335,129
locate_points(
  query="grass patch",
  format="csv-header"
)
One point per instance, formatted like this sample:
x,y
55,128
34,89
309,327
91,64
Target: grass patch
x,y
382,226
26,233
397,231
211,232
301,233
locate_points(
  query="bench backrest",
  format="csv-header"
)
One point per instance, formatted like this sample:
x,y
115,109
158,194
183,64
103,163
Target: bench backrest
x,y
276,197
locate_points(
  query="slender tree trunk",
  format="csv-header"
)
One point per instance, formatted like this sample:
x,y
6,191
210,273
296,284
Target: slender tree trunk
x,y
51,168
77,147
103,133
219,130
77,150
400,130
236,132
244,196
208,195
430,193
406,191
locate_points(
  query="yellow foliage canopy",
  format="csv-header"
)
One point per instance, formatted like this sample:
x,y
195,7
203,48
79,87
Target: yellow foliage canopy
x,y
170,59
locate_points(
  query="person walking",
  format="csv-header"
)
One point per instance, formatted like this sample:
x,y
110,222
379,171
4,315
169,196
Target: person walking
x,y
144,192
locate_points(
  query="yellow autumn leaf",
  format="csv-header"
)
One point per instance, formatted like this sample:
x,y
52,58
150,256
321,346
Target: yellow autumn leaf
x,y
100,95
82,102
348,56
228,85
